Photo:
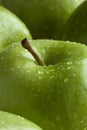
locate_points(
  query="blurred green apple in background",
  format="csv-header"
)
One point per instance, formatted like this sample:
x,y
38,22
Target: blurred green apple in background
x,y
45,19
76,27
12,29
9,121
52,95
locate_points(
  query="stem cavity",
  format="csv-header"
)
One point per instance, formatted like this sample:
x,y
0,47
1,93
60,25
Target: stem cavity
x,y
26,44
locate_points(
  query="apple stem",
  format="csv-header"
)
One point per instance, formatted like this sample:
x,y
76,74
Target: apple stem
x,y
26,44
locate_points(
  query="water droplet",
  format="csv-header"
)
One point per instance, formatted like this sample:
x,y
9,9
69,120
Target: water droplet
x,y
52,77
32,80
74,75
69,63
40,77
58,119
65,80
20,117
85,128
2,58
43,103
62,67
12,68
2,122
47,72
52,70
51,8
53,124
82,122
18,67
5,66
69,67
40,72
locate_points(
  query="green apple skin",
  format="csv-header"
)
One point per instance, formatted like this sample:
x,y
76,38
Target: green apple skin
x,y
9,121
76,27
53,96
12,29
45,19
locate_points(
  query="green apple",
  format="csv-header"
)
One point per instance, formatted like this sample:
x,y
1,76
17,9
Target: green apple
x,y
76,27
12,29
45,19
9,121
52,94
